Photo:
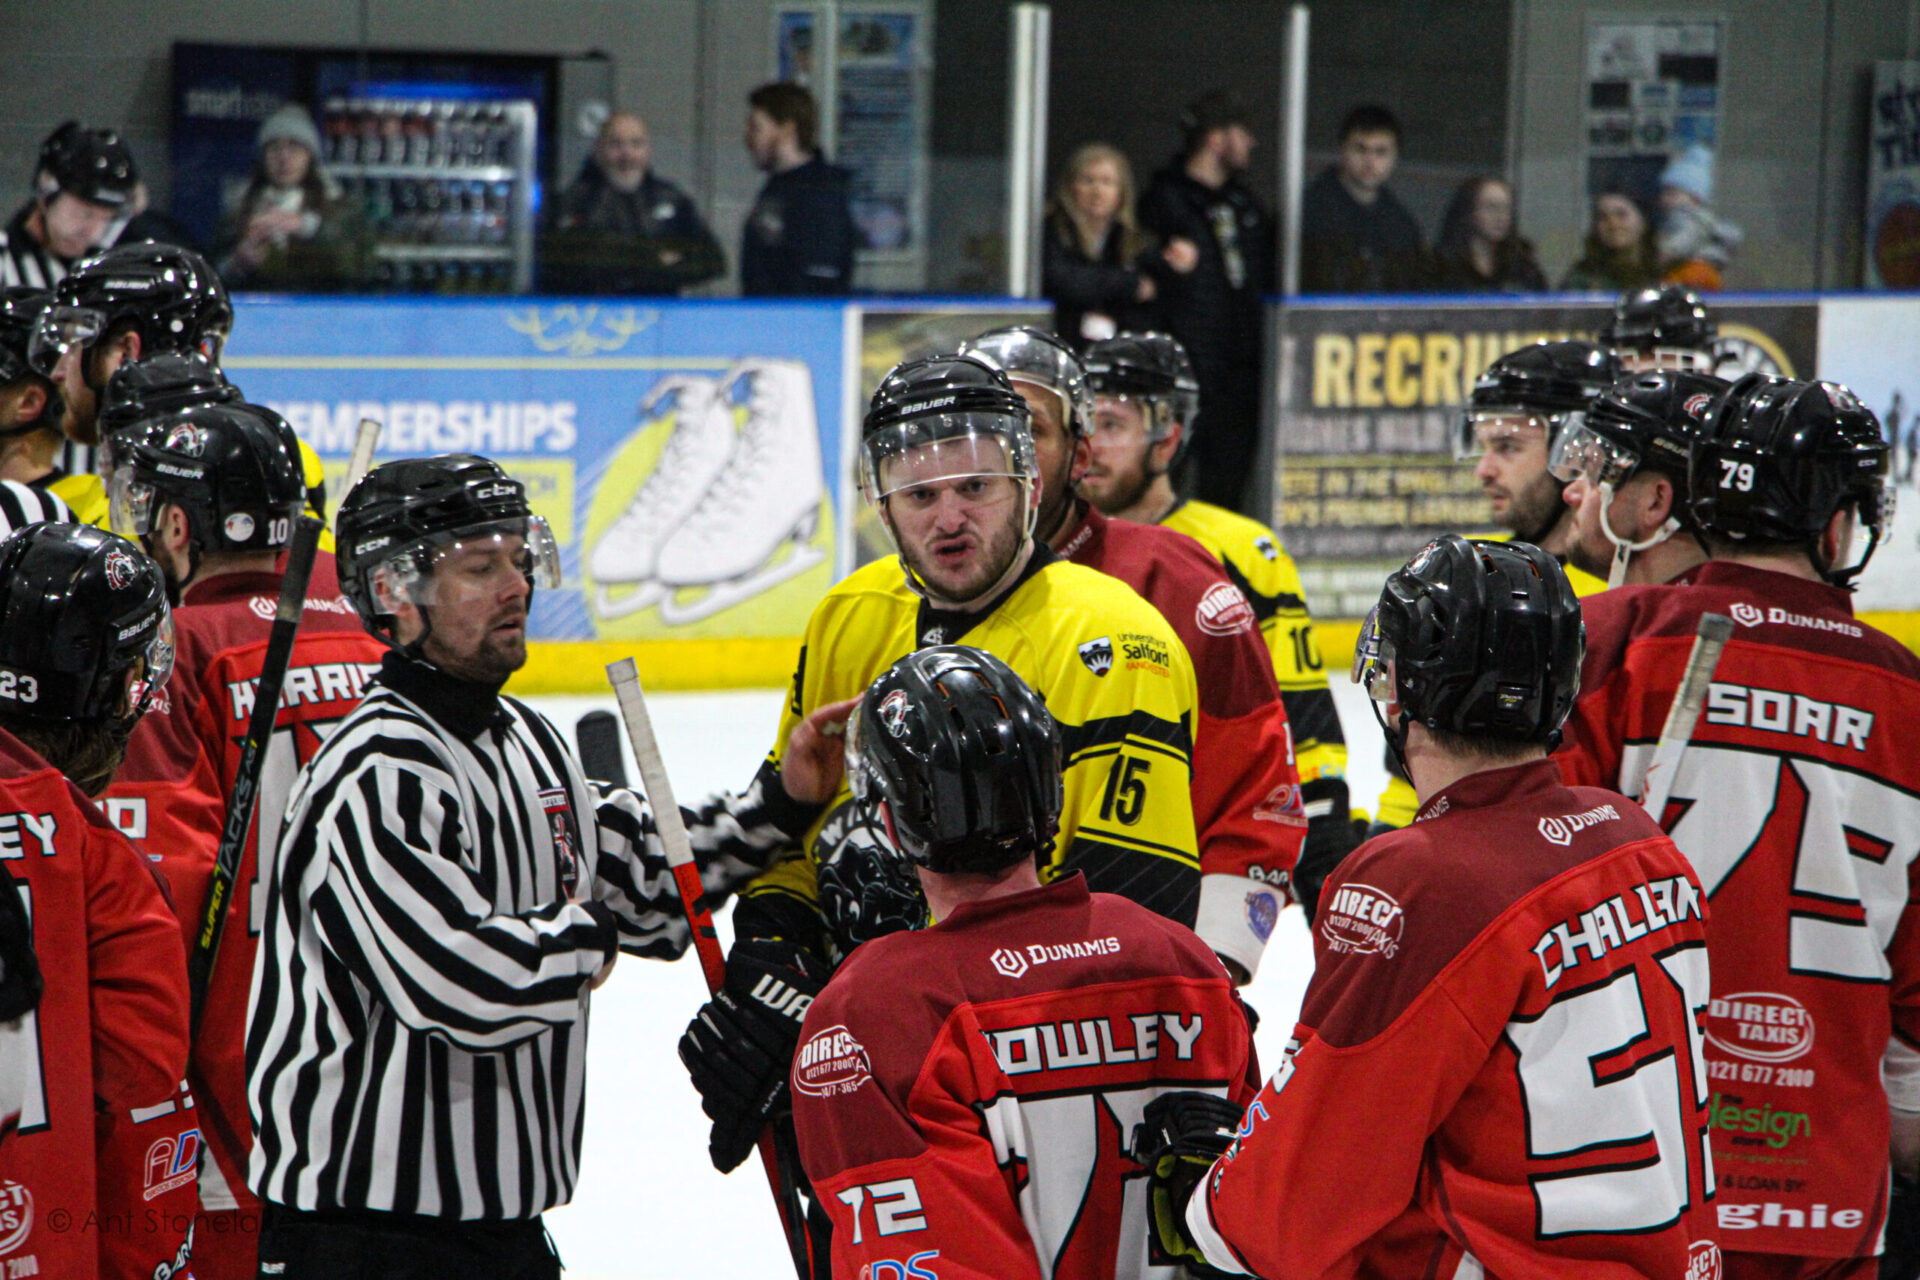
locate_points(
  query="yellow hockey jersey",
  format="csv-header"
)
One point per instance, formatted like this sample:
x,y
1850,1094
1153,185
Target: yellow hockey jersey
x,y
1114,675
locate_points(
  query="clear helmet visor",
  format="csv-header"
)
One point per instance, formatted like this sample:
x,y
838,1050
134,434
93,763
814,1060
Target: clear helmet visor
x,y
1486,430
155,667
1579,450
1872,521
130,504
1666,359
860,778
1373,660
60,327
478,561
924,452
1120,412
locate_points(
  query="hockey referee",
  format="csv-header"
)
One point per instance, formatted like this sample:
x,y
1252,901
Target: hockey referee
x,y
448,890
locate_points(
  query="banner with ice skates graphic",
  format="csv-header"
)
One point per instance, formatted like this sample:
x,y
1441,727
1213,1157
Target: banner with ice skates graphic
x,y
687,454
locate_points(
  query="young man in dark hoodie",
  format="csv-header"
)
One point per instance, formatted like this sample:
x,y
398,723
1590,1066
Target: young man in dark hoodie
x,y
799,237
1213,300
1355,235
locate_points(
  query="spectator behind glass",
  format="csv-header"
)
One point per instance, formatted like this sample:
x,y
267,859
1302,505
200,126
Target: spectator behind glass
x,y
1094,258
1480,251
1355,235
1695,243
289,229
1219,246
799,237
620,228
1620,253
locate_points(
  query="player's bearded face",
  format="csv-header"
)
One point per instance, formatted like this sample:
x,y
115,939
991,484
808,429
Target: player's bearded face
x,y
1118,476
479,614
1513,474
957,516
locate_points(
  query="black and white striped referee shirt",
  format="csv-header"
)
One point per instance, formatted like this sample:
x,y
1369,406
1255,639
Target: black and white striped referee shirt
x,y
22,260
416,1038
22,505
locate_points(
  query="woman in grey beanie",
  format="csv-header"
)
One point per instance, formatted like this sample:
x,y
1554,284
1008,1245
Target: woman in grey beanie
x,y
286,230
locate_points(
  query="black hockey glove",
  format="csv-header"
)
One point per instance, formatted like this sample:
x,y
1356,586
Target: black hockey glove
x,y
20,983
1178,1139
1901,1260
1330,838
739,1049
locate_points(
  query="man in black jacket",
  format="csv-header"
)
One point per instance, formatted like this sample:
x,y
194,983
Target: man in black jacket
x,y
799,236
1219,242
1355,235
620,228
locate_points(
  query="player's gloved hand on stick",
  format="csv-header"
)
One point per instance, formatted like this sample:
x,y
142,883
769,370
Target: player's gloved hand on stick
x,y
739,1048
1178,1139
1901,1261
1330,838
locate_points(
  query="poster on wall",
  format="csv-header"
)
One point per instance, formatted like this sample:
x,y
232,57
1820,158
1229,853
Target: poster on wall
x,y
1369,405
1867,345
1653,91
687,456
1892,246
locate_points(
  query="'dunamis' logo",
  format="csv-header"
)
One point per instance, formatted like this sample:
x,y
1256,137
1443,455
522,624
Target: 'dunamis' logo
x,y
1098,655
1008,962
1746,615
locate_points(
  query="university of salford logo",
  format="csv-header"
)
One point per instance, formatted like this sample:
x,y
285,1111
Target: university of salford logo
x,y
1098,655
1010,963
1746,615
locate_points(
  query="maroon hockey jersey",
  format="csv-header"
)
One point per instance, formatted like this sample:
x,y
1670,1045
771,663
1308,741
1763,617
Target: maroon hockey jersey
x,y
1247,812
1497,1068
98,1180
965,1094
1798,803
172,796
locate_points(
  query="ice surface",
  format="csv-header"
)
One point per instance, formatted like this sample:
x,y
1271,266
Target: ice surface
x,y
648,1205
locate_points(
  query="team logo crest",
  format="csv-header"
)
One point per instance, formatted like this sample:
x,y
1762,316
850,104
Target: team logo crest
x,y
191,441
120,569
566,838
1224,611
831,1062
1264,545
1696,405
1098,655
893,712
1008,963
1263,910
1362,920
1746,615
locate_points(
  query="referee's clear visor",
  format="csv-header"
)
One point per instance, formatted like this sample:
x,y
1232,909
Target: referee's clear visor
x,y
921,455
1485,431
1373,660
1579,450
477,561
61,327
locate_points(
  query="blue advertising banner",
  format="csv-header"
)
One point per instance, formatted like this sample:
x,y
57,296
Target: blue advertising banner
x,y
687,454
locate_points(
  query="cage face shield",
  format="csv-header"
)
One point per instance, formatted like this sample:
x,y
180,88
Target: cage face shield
x,y
427,571
60,327
1483,431
1580,450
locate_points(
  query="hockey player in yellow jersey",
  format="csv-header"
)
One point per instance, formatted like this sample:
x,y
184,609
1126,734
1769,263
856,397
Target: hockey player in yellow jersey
x,y
947,460
30,439
1145,400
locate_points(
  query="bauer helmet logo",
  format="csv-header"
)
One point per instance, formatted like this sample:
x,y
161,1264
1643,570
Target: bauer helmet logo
x,y
120,569
1009,963
927,406
893,712
1098,655
1746,615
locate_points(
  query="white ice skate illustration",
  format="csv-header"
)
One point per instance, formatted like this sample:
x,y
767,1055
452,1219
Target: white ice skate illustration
x,y
765,499
703,438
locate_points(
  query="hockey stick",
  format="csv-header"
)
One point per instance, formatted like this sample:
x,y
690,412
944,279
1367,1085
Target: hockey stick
x,y
706,943
362,460
1708,641
253,755
598,734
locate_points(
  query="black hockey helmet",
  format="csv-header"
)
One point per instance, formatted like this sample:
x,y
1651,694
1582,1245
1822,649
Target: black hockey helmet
x,y
1154,369
1544,380
1663,327
965,757
93,164
156,384
170,296
1644,420
1029,354
944,404
1779,456
20,310
233,469
1478,638
398,520
867,888
84,624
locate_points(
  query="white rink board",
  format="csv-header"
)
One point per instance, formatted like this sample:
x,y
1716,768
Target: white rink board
x,y
649,1205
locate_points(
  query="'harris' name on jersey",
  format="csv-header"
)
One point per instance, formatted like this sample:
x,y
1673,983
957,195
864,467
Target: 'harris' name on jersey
x,y
322,682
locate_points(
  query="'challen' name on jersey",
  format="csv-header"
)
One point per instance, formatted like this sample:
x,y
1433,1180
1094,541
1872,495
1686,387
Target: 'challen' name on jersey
x,y
1623,918
1090,1042
323,682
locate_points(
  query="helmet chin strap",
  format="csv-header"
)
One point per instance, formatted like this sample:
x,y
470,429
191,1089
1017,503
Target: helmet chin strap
x,y
1396,735
1622,549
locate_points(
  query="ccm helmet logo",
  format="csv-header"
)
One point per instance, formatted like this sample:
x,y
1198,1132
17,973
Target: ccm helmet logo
x,y
497,491
371,544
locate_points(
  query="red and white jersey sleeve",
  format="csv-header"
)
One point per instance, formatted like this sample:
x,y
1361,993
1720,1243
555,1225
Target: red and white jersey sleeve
x,y
109,1041
1247,812
1798,804
172,795
965,1095
1497,1067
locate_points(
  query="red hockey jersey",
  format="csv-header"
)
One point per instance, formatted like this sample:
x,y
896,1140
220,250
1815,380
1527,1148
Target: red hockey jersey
x,y
1247,812
98,1180
1497,1067
964,1095
1798,804
172,795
